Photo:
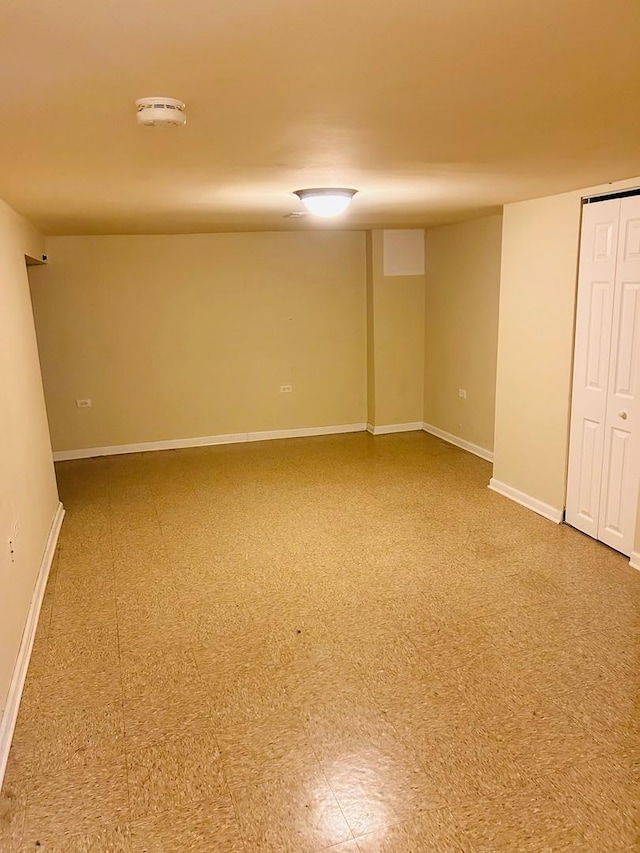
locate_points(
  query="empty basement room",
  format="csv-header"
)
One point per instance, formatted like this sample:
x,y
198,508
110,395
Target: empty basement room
x,y
320,458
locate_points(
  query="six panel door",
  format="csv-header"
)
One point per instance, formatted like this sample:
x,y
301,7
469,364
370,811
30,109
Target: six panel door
x,y
594,318
621,462
604,450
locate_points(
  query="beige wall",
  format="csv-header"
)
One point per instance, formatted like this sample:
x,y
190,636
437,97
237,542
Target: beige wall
x,y
193,335
396,342
535,342
28,494
461,328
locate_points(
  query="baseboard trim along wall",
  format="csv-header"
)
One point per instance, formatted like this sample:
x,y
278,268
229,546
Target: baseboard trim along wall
x,y
459,442
546,510
204,441
386,429
12,705
634,560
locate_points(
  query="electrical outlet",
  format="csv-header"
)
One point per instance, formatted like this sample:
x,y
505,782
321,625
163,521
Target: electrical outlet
x,y
83,404
286,389
462,393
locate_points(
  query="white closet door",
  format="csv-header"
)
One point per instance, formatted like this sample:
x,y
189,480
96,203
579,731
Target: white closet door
x,y
594,319
621,463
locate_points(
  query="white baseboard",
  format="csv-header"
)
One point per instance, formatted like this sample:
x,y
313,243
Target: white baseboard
x,y
268,435
634,560
204,441
459,442
546,510
12,705
386,429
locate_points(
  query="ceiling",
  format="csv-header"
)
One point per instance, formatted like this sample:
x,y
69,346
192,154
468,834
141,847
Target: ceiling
x,y
435,111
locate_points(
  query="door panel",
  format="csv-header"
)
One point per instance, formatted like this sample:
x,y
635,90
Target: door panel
x,y
621,469
624,349
616,460
594,320
632,240
588,498
599,310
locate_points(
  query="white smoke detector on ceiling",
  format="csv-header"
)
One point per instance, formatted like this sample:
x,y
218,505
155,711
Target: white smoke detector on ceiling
x,y
161,112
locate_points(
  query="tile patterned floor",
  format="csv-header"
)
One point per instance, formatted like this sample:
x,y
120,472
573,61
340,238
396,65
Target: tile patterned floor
x,y
339,643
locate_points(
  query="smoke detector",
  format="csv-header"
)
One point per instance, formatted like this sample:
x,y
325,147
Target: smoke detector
x,y
161,112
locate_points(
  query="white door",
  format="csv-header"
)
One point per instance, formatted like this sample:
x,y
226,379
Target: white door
x,y
604,452
621,462
596,279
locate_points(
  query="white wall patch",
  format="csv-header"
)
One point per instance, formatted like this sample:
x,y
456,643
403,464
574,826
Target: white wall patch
x,y
403,252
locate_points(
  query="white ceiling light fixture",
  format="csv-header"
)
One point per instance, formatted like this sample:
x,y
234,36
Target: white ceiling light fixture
x,y
326,201
161,112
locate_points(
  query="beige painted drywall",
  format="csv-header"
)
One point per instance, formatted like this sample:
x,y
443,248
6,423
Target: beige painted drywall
x,y
193,335
396,342
461,328
28,493
535,342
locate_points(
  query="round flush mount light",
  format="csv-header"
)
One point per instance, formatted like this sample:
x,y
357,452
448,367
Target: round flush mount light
x,y
161,112
326,201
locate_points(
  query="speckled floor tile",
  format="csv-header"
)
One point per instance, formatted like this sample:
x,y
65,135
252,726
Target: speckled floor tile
x,y
113,839
71,734
538,737
377,780
346,721
148,610
157,715
206,825
603,798
609,710
236,650
328,686
530,821
550,663
82,553
463,762
297,814
13,804
268,748
243,695
443,646
317,636
131,565
82,652
76,801
174,774
83,603
419,696
72,689
430,832
156,666
70,719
